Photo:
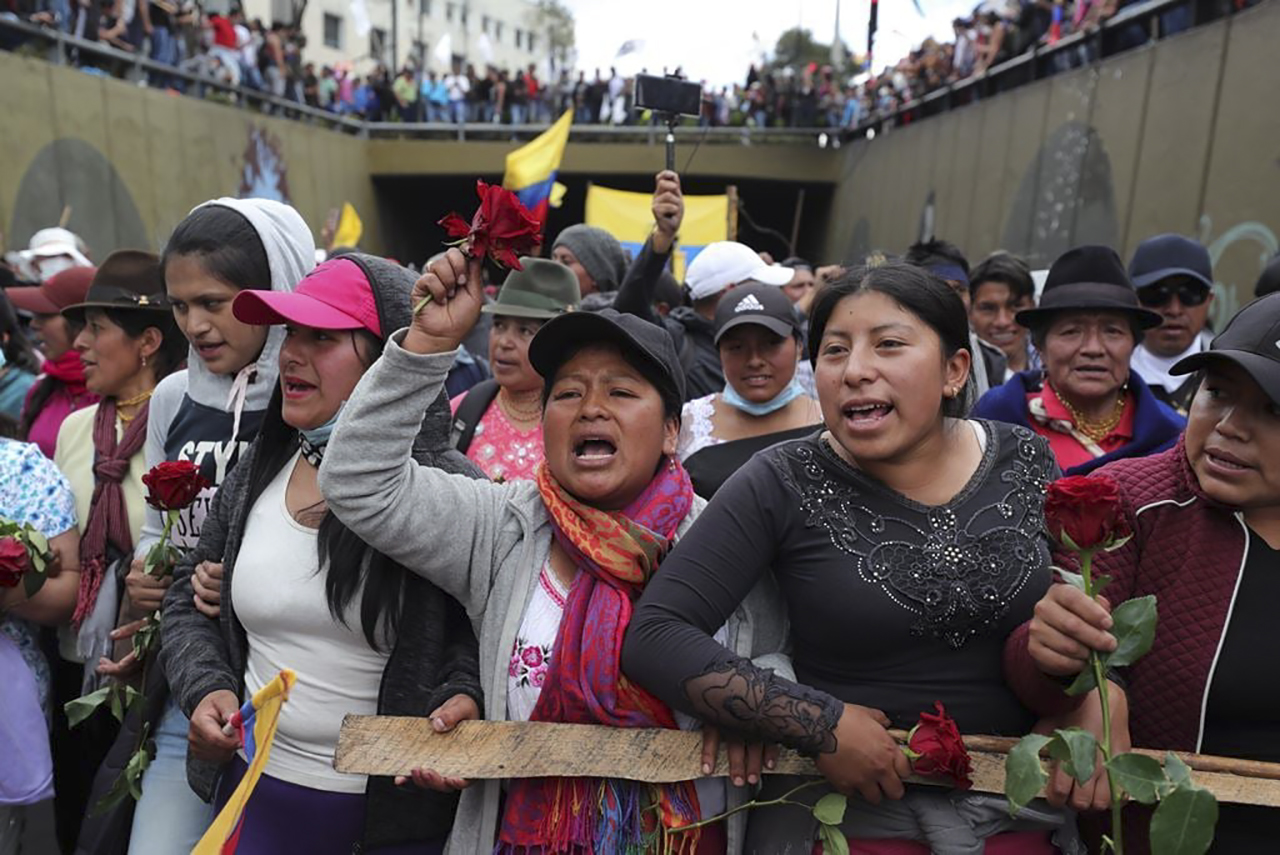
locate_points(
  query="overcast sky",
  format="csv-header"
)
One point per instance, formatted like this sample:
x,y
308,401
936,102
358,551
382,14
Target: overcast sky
x,y
716,40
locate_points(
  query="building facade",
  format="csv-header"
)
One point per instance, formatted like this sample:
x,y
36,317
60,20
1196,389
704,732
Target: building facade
x,y
434,33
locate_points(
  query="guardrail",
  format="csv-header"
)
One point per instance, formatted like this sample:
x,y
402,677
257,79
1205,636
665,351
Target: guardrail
x,y
1075,50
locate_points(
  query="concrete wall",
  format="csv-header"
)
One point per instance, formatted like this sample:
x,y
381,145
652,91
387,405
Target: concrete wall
x,y
1182,136
130,162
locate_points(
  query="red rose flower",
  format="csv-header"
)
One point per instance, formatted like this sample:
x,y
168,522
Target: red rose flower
x,y
173,485
939,748
14,562
1087,510
502,228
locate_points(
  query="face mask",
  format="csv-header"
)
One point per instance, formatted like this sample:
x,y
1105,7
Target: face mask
x,y
318,437
786,396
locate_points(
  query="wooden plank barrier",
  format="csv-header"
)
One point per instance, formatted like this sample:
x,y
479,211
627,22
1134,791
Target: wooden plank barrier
x,y
395,745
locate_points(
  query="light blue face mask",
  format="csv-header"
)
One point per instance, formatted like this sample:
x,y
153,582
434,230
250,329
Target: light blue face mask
x,y
318,437
786,396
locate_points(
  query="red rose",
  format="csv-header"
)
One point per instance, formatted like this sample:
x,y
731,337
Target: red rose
x,y
502,228
1086,510
939,748
173,485
13,562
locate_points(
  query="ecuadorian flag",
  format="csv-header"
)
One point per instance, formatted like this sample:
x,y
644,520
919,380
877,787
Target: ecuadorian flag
x,y
531,169
256,723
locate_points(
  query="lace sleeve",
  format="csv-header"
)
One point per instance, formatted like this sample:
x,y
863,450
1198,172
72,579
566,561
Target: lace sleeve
x,y
749,700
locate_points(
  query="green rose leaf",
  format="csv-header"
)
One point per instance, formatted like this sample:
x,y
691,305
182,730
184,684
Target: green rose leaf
x,y
1075,580
1076,750
1134,629
1183,823
1178,773
830,809
33,580
833,840
1024,774
81,708
1140,776
1084,682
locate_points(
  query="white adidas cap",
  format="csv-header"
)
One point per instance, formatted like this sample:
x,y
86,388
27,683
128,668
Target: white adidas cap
x,y
724,263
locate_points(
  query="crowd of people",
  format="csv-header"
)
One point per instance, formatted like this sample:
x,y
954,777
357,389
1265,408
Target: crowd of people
x,y
784,503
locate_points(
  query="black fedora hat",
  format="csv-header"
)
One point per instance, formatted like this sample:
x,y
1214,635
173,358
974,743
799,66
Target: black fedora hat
x,y
1088,279
127,279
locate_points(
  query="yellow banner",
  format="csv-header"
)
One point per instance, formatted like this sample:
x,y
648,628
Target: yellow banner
x,y
627,216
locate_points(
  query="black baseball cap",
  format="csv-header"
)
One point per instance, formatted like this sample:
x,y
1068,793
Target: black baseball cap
x,y
1251,340
566,334
764,305
1163,256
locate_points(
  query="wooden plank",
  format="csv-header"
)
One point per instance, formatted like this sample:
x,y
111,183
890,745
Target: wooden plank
x,y
392,745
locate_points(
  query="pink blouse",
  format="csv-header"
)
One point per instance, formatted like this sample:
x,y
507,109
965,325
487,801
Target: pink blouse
x,y
499,448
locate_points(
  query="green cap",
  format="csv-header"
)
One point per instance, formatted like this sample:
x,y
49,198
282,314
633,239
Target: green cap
x,y
543,289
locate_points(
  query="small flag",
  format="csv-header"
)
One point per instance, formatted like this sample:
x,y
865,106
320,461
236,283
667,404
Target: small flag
x,y
349,229
1055,28
629,46
557,195
262,711
531,169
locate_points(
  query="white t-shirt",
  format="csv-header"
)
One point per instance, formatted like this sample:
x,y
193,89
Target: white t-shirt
x,y
1155,369
279,598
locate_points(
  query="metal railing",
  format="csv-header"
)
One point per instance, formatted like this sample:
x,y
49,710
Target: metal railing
x,y
1074,51
1077,50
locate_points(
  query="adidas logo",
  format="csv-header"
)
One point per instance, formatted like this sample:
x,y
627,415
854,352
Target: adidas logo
x,y
749,303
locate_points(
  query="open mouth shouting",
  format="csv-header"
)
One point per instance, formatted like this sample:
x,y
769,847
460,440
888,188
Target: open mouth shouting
x,y
594,450
865,415
296,388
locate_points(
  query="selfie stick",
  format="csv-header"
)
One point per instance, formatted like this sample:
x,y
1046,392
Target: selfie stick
x,y
671,141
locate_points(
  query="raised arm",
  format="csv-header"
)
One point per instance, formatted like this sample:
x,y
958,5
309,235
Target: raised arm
x,y
439,525
635,296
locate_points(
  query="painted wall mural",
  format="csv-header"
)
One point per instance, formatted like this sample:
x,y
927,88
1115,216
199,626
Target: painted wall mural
x,y
263,174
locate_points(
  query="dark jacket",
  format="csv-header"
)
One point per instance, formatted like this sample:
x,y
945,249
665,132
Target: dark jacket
x,y
1189,552
694,335
434,654
1155,426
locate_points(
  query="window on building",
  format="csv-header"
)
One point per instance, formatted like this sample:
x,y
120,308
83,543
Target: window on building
x,y
484,24
519,37
449,9
424,8
332,31
378,44
462,16
530,41
497,31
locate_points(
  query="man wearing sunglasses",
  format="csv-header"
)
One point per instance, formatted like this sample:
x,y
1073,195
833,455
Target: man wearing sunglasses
x,y
1174,277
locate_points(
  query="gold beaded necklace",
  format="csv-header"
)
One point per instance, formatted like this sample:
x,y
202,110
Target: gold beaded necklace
x,y
517,413
1095,430
131,402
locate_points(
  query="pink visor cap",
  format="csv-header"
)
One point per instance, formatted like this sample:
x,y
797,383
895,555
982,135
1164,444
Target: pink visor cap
x,y
335,295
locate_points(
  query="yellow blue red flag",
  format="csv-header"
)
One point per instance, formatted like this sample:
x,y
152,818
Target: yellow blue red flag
x,y
628,216
531,169
256,723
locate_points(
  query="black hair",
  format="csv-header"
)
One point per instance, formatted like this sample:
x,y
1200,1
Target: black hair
x,y
668,391
47,385
1269,281
919,292
668,291
18,351
930,252
173,344
351,564
1007,269
227,245
796,261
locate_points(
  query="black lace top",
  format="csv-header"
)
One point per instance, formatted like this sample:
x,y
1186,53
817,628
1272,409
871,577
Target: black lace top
x,y
893,604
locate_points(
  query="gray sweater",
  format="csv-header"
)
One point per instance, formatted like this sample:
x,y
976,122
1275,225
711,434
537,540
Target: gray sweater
x,y
483,543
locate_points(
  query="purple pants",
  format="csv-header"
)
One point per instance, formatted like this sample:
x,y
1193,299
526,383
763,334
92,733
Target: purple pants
x,y
284,817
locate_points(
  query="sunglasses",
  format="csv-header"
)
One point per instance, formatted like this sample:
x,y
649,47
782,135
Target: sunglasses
x,y
1188,293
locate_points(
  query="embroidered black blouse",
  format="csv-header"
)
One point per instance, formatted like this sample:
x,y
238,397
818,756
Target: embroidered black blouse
x,y
893,604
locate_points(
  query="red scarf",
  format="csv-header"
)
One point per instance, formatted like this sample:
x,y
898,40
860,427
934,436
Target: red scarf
x,y
616,552
108,515
68,370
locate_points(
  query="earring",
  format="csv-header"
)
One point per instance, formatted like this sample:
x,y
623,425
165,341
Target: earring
x,y
144,360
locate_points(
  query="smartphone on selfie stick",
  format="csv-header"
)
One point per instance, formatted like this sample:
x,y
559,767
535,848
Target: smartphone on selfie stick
x,y
669,97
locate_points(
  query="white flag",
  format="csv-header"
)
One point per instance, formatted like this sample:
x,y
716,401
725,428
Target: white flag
x,y
484,48
443,54
360,18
